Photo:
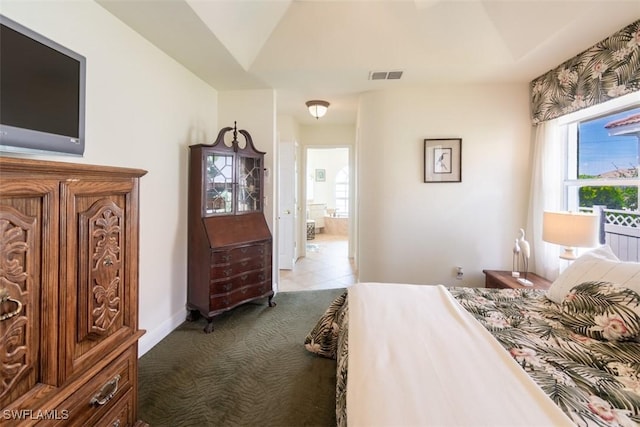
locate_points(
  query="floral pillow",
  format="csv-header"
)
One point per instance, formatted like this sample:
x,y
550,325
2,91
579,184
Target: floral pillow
x,y
602,310
599,264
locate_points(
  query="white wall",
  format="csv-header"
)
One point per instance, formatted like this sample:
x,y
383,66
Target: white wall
x,y
415,232
332,160
314,135
287,128
142,110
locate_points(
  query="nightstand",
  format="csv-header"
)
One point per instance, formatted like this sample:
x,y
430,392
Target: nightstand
x,y
504,280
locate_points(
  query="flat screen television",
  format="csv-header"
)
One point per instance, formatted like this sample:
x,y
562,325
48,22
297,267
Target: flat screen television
x,y
42,93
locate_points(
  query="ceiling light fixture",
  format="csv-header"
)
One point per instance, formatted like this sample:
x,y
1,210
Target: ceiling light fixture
x,y
317,108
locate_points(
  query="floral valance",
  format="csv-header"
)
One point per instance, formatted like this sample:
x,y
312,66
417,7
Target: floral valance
x,y
605,71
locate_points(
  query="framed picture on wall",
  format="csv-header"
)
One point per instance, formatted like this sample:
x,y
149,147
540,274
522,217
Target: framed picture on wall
x,y
443,160
320,175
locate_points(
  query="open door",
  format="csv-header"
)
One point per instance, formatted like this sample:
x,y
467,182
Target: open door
x,y
287,205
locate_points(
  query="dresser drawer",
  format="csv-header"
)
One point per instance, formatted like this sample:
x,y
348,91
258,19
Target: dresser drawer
x,y
121,415
109,389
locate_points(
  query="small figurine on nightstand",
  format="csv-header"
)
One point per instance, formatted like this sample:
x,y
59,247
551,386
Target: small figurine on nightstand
x,y
525,250
515,268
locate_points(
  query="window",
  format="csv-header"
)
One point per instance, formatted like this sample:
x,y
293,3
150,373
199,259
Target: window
x,y
602,161
602,165
342,192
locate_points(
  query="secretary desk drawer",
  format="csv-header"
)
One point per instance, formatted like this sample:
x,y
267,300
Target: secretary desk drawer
x,y
241,253
232,269
240,295
110,389
226,285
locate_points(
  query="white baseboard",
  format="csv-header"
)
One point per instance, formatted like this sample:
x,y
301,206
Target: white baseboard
x,y
153,337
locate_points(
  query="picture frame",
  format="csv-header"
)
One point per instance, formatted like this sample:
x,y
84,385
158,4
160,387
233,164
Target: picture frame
x,y
443,160
320,175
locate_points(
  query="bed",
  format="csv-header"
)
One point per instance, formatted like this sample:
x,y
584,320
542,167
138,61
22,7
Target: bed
x,y
416,355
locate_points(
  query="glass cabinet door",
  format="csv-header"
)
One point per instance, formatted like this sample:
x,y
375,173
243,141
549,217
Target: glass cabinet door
x,y
249,184
219,184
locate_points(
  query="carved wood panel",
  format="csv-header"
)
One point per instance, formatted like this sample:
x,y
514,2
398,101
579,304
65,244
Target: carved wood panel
x,y
98,251
101,268
18,299
25,359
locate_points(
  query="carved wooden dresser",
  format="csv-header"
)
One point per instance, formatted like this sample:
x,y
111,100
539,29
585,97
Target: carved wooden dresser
x,y
69,288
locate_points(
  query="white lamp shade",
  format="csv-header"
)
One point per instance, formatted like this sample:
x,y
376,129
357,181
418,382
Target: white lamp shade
x,y
571,229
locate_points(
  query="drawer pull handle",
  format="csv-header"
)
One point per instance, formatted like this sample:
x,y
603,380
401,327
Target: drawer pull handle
x,y
116,423
106,392
5,298
107,262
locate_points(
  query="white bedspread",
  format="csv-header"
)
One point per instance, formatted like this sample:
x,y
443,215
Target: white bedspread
x,y
417,358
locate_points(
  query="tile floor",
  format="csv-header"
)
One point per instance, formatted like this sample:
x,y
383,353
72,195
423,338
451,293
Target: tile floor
x,y
326,266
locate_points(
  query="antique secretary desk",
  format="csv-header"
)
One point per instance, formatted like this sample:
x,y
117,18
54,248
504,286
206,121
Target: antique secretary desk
x,y
230,245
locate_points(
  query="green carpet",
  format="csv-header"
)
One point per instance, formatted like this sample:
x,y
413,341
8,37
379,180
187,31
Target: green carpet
x,y
252,370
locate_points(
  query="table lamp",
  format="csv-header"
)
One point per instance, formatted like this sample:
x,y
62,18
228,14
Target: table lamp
x,y
571,230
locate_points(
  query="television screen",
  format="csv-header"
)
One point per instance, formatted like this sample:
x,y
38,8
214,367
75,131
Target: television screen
x,y
42,91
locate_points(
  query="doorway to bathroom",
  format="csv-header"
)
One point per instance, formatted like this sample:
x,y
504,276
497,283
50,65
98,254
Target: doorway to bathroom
x,y
327,260
327,191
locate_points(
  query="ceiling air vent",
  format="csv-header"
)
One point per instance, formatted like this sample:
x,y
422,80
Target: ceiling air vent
x,y
385,75
377,75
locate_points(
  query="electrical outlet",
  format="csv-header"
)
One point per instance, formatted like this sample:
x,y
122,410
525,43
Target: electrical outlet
x,y
459,273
